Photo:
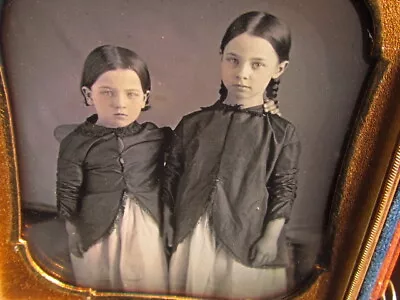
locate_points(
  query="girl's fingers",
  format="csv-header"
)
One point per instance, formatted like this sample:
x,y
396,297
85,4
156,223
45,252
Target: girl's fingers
x,y
170,236
81,250
268,107
258,260
75,252
276,112
269,104
267,110
252,253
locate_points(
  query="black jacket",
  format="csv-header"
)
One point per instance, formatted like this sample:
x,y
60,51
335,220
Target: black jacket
x,y
240,164
98,165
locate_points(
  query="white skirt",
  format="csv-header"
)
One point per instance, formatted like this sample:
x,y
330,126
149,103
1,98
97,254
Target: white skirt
x,y
131,258
199,268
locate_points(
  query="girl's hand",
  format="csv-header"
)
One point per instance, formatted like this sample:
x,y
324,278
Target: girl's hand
x,y
272,107
168,236
75,244
167,231
264,251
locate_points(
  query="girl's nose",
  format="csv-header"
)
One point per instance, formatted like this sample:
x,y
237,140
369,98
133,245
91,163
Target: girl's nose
x,y
244,71
119,101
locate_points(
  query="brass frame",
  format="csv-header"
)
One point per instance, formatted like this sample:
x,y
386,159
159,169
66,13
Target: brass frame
x,y
364,194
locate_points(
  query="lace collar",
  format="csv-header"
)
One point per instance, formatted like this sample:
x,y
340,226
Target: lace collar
x,y
254,110
90,128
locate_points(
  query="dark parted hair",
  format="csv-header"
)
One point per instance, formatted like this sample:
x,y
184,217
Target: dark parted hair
x,y
107,58
266,26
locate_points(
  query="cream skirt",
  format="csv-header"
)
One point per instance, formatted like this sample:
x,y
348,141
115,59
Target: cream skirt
x,y
131,258
198,267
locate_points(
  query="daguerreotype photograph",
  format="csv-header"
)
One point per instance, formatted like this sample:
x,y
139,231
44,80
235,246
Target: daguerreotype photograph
x,y
189,148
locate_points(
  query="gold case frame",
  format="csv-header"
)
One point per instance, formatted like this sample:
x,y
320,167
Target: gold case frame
x,y
365,192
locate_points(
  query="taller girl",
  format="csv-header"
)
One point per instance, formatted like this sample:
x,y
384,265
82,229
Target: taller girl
x,y
231,175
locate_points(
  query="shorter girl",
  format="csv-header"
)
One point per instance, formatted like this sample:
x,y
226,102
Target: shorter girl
x,y
108,179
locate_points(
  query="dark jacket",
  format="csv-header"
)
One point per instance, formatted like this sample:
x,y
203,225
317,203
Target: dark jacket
x,y
98,165
240,164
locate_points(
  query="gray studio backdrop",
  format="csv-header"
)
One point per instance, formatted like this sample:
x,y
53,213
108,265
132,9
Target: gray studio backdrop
x,y
46,42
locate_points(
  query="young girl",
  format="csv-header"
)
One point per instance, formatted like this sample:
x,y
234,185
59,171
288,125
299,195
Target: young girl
x,y
108,179
231,173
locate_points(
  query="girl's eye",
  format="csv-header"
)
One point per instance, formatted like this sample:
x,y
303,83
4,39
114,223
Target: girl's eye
x,y
107,93
233,60
132,95
257,65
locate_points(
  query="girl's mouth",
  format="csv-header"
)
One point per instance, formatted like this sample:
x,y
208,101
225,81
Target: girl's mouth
x,y
241,87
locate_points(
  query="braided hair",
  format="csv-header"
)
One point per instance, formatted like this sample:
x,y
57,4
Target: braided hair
x,y
268,27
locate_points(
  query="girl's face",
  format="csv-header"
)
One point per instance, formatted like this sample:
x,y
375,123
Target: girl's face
x,y
117,96
247,65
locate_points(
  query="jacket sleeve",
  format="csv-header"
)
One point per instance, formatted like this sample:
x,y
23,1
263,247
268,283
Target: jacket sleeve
x,y
282,185
69,181
173,167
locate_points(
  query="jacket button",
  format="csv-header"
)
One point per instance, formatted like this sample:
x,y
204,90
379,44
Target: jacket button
x,y
258,208
121,160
